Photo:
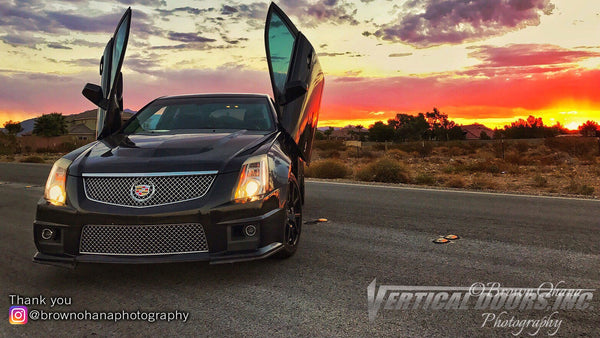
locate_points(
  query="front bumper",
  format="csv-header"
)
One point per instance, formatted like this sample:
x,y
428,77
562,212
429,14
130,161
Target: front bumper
x,y
221,224
71,261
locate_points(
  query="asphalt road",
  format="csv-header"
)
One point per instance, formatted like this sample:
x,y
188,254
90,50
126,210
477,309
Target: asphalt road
x,y
373,232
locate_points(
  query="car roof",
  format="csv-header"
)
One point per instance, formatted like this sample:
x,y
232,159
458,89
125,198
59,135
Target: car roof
x,y
217,95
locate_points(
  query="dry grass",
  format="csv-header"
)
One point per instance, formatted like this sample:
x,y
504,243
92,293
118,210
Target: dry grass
x,y
384,170
327,169
560,166
32,159
425,179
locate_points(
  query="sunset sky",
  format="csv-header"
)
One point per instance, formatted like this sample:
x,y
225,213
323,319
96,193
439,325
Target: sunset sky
x,y
486,61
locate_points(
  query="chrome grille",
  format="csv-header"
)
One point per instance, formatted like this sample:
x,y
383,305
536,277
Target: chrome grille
x,y
161,188
142,240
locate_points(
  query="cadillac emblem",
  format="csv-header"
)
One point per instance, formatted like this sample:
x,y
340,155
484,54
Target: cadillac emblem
x,y
142,191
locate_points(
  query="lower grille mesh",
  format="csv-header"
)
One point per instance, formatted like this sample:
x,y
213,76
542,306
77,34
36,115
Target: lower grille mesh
x,y
141,240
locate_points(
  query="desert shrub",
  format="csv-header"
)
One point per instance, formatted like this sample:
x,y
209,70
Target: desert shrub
x,y
396,154
449,169
329,145
66,147
539,181
455,182
441,150
425,178
521,146
574,146
467,147
555,159
586,189
384,170
327,169
482,183
514,157
8,144
381,146
595,171
456,151
330,154
483,166
485,154
33,159
361,153
588,159
575,187
422,148
47,150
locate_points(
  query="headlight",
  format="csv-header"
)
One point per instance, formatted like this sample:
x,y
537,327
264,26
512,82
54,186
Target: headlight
x,y
254,179
56,192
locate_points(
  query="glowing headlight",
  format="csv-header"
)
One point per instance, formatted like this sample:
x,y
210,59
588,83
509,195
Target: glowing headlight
x,y
56,192
253,181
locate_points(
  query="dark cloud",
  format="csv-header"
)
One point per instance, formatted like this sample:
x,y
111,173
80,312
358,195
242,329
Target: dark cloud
x,y
189,46
188,37
332,54
32,17
226,10
88,62
186,9
312,14
399,55
85,43
151,3
22,39
145,64
520,60
233,41
434,22
255,10
57,46
528,55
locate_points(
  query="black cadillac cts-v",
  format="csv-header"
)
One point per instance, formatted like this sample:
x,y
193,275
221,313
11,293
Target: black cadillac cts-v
x,y
217,177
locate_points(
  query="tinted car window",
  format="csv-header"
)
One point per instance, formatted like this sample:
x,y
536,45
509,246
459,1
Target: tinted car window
x,y
175,115
281,44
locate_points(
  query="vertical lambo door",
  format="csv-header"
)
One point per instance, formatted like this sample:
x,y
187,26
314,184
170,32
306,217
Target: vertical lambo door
x,y
109,96
296,77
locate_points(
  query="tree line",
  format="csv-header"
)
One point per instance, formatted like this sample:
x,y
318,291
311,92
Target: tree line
x,y
433,125
48,125
437,126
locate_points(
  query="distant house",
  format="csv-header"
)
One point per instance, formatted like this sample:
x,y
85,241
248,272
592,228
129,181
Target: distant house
x,y
82,132
473,131
348,133
83,125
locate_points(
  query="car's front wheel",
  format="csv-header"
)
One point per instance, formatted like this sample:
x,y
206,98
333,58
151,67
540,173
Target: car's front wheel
x,y
293,220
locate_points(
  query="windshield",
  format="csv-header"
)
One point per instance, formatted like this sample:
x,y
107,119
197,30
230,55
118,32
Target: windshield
x,y
197,113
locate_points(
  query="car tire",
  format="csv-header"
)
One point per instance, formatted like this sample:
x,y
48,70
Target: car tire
x,y
293,221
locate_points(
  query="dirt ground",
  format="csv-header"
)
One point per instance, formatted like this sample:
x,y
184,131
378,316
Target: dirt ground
x,y
530,167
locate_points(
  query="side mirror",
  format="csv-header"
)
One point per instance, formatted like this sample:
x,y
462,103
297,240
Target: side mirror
x,y
94,93
294,90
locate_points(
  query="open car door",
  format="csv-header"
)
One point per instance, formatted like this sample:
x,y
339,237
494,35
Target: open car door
x,y
109,96
296,77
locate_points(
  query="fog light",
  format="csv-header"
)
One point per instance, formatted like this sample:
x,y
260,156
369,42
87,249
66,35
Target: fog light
x,y
47,234
250,230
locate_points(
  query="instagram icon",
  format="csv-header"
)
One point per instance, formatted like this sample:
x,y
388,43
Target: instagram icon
x,y
17,315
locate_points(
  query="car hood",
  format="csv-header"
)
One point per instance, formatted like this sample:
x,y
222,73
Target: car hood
x,y
167,153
